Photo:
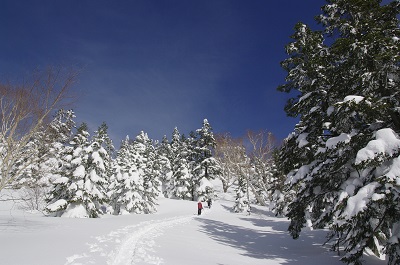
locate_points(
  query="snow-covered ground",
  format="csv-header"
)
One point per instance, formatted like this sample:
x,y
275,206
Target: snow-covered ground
x,y
174,235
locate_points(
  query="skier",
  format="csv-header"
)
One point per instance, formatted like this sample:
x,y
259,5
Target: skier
x,y
209,203
199,207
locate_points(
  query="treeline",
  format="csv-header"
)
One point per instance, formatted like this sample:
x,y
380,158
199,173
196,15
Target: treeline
x,y
62,170
84,176
71,173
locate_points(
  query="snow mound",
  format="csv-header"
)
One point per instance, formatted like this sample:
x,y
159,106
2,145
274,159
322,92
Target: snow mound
x,y
387,142
75,211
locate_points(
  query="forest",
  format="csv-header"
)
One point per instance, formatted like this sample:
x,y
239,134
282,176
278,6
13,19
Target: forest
x,y
339,169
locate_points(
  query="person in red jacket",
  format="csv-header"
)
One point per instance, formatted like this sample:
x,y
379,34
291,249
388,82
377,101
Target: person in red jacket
x,y
199,208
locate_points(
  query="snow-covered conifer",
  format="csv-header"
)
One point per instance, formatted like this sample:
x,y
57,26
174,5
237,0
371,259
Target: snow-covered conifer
x,y
181,179
126,185
241,199
340,159
106,151
79,191
164,160
101,136
148,168
204,165
46,147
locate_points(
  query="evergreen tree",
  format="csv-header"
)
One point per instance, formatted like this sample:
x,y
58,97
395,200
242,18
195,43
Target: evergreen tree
x,y
181,179
102,138
126,186
186,164
340,160
46,148
164,160
149,170
204,165
79,191
97,169
107,151
60,129
241,199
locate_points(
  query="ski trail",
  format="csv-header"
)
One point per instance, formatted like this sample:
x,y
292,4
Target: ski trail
x,y
138,246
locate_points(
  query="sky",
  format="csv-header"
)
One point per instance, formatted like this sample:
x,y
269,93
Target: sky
x,y
153,65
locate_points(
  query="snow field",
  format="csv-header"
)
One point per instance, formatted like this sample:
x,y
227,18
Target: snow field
x,y
174,235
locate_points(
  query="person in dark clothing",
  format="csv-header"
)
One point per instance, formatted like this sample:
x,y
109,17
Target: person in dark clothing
x,y
199,208
209,203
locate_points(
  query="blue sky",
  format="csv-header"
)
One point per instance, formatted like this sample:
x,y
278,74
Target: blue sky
x,y
153,65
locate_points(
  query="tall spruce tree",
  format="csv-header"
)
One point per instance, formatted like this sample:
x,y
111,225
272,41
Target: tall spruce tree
x,y
245,173
126,187
46,148
97,169
181,179
340,161
148,169
242,195
204,165
79,191
103,139
67,190
164,160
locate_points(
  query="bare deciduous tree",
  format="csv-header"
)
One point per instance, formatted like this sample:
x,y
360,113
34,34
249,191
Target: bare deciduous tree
x,y
263,144
24,111
33,198
231,154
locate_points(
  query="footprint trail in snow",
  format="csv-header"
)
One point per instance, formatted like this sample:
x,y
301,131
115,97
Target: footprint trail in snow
x,y
135,244
138,246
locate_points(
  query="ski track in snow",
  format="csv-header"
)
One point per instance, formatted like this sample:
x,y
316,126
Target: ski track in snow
x,y
137,246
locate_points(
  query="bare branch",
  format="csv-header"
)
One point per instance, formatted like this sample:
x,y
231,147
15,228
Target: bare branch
x,y
230,153
24,111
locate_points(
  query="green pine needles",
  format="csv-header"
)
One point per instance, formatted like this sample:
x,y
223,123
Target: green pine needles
x,y
341,160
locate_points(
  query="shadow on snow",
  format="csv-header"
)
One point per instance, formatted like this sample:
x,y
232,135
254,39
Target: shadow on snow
x,y
267,238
